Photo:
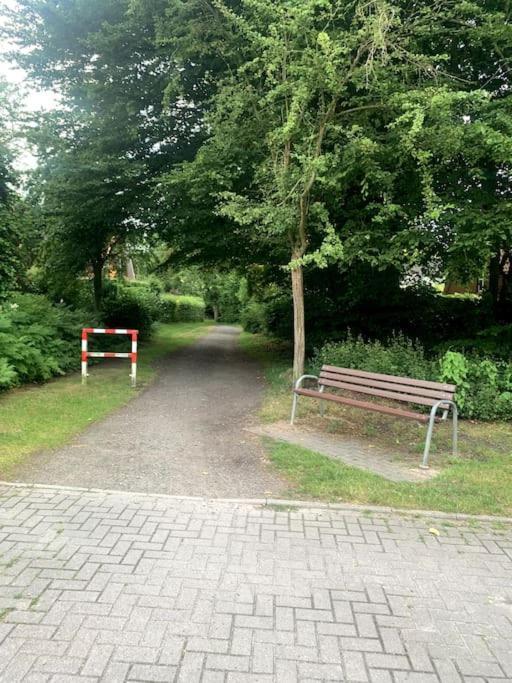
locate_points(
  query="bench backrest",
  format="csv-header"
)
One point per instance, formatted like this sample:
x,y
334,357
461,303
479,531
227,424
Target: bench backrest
x,y
421,392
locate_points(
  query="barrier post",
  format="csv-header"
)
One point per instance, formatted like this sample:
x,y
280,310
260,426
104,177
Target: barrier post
x,y
134,358
84,356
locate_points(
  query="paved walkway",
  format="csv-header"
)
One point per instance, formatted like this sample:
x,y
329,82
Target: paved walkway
x,y
184,435
99,586
352,451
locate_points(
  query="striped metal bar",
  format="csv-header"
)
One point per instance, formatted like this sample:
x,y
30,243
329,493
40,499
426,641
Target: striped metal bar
x,y
107,354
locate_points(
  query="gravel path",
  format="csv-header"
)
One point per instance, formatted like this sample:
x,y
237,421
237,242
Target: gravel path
x,y
184,435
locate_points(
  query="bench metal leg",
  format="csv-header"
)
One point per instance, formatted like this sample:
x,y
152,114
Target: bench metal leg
x,y
294,407
424,464
426,452
297,385
322,404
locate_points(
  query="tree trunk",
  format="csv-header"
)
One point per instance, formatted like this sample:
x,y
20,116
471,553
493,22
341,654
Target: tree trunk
x,y
299,334
215,310
97,283
130,270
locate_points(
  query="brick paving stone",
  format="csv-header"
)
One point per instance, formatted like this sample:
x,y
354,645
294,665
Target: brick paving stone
x,y
105,586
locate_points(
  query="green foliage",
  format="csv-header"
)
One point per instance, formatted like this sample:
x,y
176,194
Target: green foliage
x,y
151,283
225,293
398,356
373,304
344,132
38,340
454,369
127,306
254,317
110,135
9,238
188,281
175,308
221,291
484,386
9,263
494,341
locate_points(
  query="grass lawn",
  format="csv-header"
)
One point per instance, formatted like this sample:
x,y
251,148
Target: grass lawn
x,y
37,417
477,482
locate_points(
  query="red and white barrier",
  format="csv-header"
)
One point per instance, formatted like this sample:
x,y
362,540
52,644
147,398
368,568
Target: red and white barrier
x,y
108,354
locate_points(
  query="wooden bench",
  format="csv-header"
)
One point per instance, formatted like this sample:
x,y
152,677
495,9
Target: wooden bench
x,y
359,383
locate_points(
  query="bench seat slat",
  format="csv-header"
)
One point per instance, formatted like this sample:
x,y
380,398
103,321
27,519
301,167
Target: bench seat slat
x,y
386,385
426,384
382,393
376,407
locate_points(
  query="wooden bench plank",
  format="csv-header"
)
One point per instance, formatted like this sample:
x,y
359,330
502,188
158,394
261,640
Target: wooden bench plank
x,y
426,384
379,384
382,393
376,407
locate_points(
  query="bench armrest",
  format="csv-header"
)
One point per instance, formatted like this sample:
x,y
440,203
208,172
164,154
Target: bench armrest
x,y
298,383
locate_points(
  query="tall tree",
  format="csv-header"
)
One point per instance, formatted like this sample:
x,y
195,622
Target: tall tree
x,y
89,191
113,134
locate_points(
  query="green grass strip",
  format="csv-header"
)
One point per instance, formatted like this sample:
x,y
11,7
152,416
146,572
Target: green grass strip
x,y
466,486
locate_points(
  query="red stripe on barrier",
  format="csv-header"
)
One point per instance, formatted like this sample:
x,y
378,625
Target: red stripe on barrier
x,y
84,356
87,330
108,331
84,335
134,357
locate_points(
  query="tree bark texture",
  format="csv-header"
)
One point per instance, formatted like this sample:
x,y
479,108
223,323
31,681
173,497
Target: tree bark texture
x,y
299,332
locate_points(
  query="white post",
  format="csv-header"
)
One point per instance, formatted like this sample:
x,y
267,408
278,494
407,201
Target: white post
x,y
84,357
134,359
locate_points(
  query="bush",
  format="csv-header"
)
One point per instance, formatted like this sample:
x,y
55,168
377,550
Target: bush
x,y
174,308
484,385
494,341
38,340
126,306
151,283
254,317
398,356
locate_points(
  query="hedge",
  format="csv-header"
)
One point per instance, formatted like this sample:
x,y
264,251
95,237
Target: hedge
x,y
175,308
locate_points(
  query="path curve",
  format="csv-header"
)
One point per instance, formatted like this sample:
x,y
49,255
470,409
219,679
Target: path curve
x,y
184,435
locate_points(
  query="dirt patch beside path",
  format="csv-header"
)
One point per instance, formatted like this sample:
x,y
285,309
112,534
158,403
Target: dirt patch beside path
x,y
185,435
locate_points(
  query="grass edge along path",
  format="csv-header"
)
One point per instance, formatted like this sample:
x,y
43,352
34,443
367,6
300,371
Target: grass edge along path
x,y
478,485
42,416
